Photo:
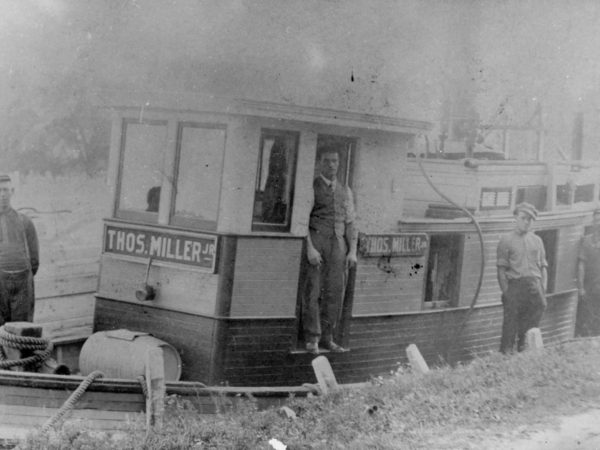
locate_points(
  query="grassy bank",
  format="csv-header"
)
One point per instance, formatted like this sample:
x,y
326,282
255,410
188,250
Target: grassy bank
x,y
448,408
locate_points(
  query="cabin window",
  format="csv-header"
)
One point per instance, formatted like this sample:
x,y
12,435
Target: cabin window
x,y
550,240
564,194
200,153
275,178
443,270
142,149
536,195
495,198
584,193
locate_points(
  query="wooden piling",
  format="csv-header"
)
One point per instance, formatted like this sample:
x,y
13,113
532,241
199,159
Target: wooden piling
x,y
155,382
325,376
533,339
416,360
24,329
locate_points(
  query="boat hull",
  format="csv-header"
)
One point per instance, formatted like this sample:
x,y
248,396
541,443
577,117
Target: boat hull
x,y
262,352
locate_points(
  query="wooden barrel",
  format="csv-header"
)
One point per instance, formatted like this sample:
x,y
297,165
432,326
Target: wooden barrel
x,y
122,354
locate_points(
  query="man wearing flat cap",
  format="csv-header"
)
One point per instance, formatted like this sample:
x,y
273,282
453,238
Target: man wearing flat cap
x,y
522,275
19,259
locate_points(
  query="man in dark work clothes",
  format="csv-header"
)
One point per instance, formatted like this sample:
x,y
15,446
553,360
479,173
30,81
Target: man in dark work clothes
x,y
19,259
331,249
588,280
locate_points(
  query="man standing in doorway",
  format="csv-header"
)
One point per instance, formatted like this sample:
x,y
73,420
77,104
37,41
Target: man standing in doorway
x,y
330,250
19,259
522,275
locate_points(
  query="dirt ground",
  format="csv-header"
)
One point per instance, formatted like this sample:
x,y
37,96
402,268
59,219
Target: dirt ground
x,y
580,431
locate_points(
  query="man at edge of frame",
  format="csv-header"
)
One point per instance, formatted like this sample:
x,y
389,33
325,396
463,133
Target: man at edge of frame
x,y
19,259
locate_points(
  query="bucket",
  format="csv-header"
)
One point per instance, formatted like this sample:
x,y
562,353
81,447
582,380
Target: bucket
x,y
122,354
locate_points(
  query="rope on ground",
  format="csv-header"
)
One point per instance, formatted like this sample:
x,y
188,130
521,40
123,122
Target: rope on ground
x,y
41,347
72,400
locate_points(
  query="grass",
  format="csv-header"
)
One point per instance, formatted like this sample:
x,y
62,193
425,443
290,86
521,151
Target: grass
x,y
450,408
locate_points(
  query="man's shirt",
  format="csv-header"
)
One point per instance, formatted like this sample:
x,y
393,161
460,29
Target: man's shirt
x,y
18,242
523,255
332,208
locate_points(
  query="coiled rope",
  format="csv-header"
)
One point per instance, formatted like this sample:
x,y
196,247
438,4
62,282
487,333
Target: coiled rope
x,y
41,347
71,401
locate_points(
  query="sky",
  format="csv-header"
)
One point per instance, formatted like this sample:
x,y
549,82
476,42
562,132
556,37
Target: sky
x,y
401,58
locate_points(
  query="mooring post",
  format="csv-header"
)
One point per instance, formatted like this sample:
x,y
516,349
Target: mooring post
x,y
24,329
416,360
324,374
155,382
533,339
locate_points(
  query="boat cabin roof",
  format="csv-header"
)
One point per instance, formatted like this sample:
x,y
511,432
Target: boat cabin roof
x,y
243,166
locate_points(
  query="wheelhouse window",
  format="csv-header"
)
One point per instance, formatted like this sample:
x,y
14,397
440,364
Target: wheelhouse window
x,y
536,195
198,178
584,193
275,181
142,150
564,194
443,270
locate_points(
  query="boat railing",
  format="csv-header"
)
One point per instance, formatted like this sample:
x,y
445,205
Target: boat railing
x,y
494,187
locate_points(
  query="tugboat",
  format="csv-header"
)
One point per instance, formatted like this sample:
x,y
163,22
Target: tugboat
x,y
206,252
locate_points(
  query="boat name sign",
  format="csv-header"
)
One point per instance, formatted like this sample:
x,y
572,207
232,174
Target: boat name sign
x,y
402,244
197,250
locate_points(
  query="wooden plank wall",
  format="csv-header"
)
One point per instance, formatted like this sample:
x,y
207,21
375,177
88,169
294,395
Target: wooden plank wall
x,y
258,351
568,240
385,287
65,288
67,212
490,291
192,336
29,408
462,184
451,177
178,288
267,271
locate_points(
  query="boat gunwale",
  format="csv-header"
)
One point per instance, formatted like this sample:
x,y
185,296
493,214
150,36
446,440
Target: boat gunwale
x,y
71,382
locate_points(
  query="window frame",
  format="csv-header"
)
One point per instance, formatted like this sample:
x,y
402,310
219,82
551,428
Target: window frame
x,y
285,227
147,217
187,222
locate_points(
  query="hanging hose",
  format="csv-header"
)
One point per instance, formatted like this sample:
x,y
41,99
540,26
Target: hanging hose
x,y
142,380
482,247
71,401
42,349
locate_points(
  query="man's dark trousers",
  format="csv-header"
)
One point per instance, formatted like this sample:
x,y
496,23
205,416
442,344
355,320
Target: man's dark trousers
x,y
325,288
16,296
524,305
